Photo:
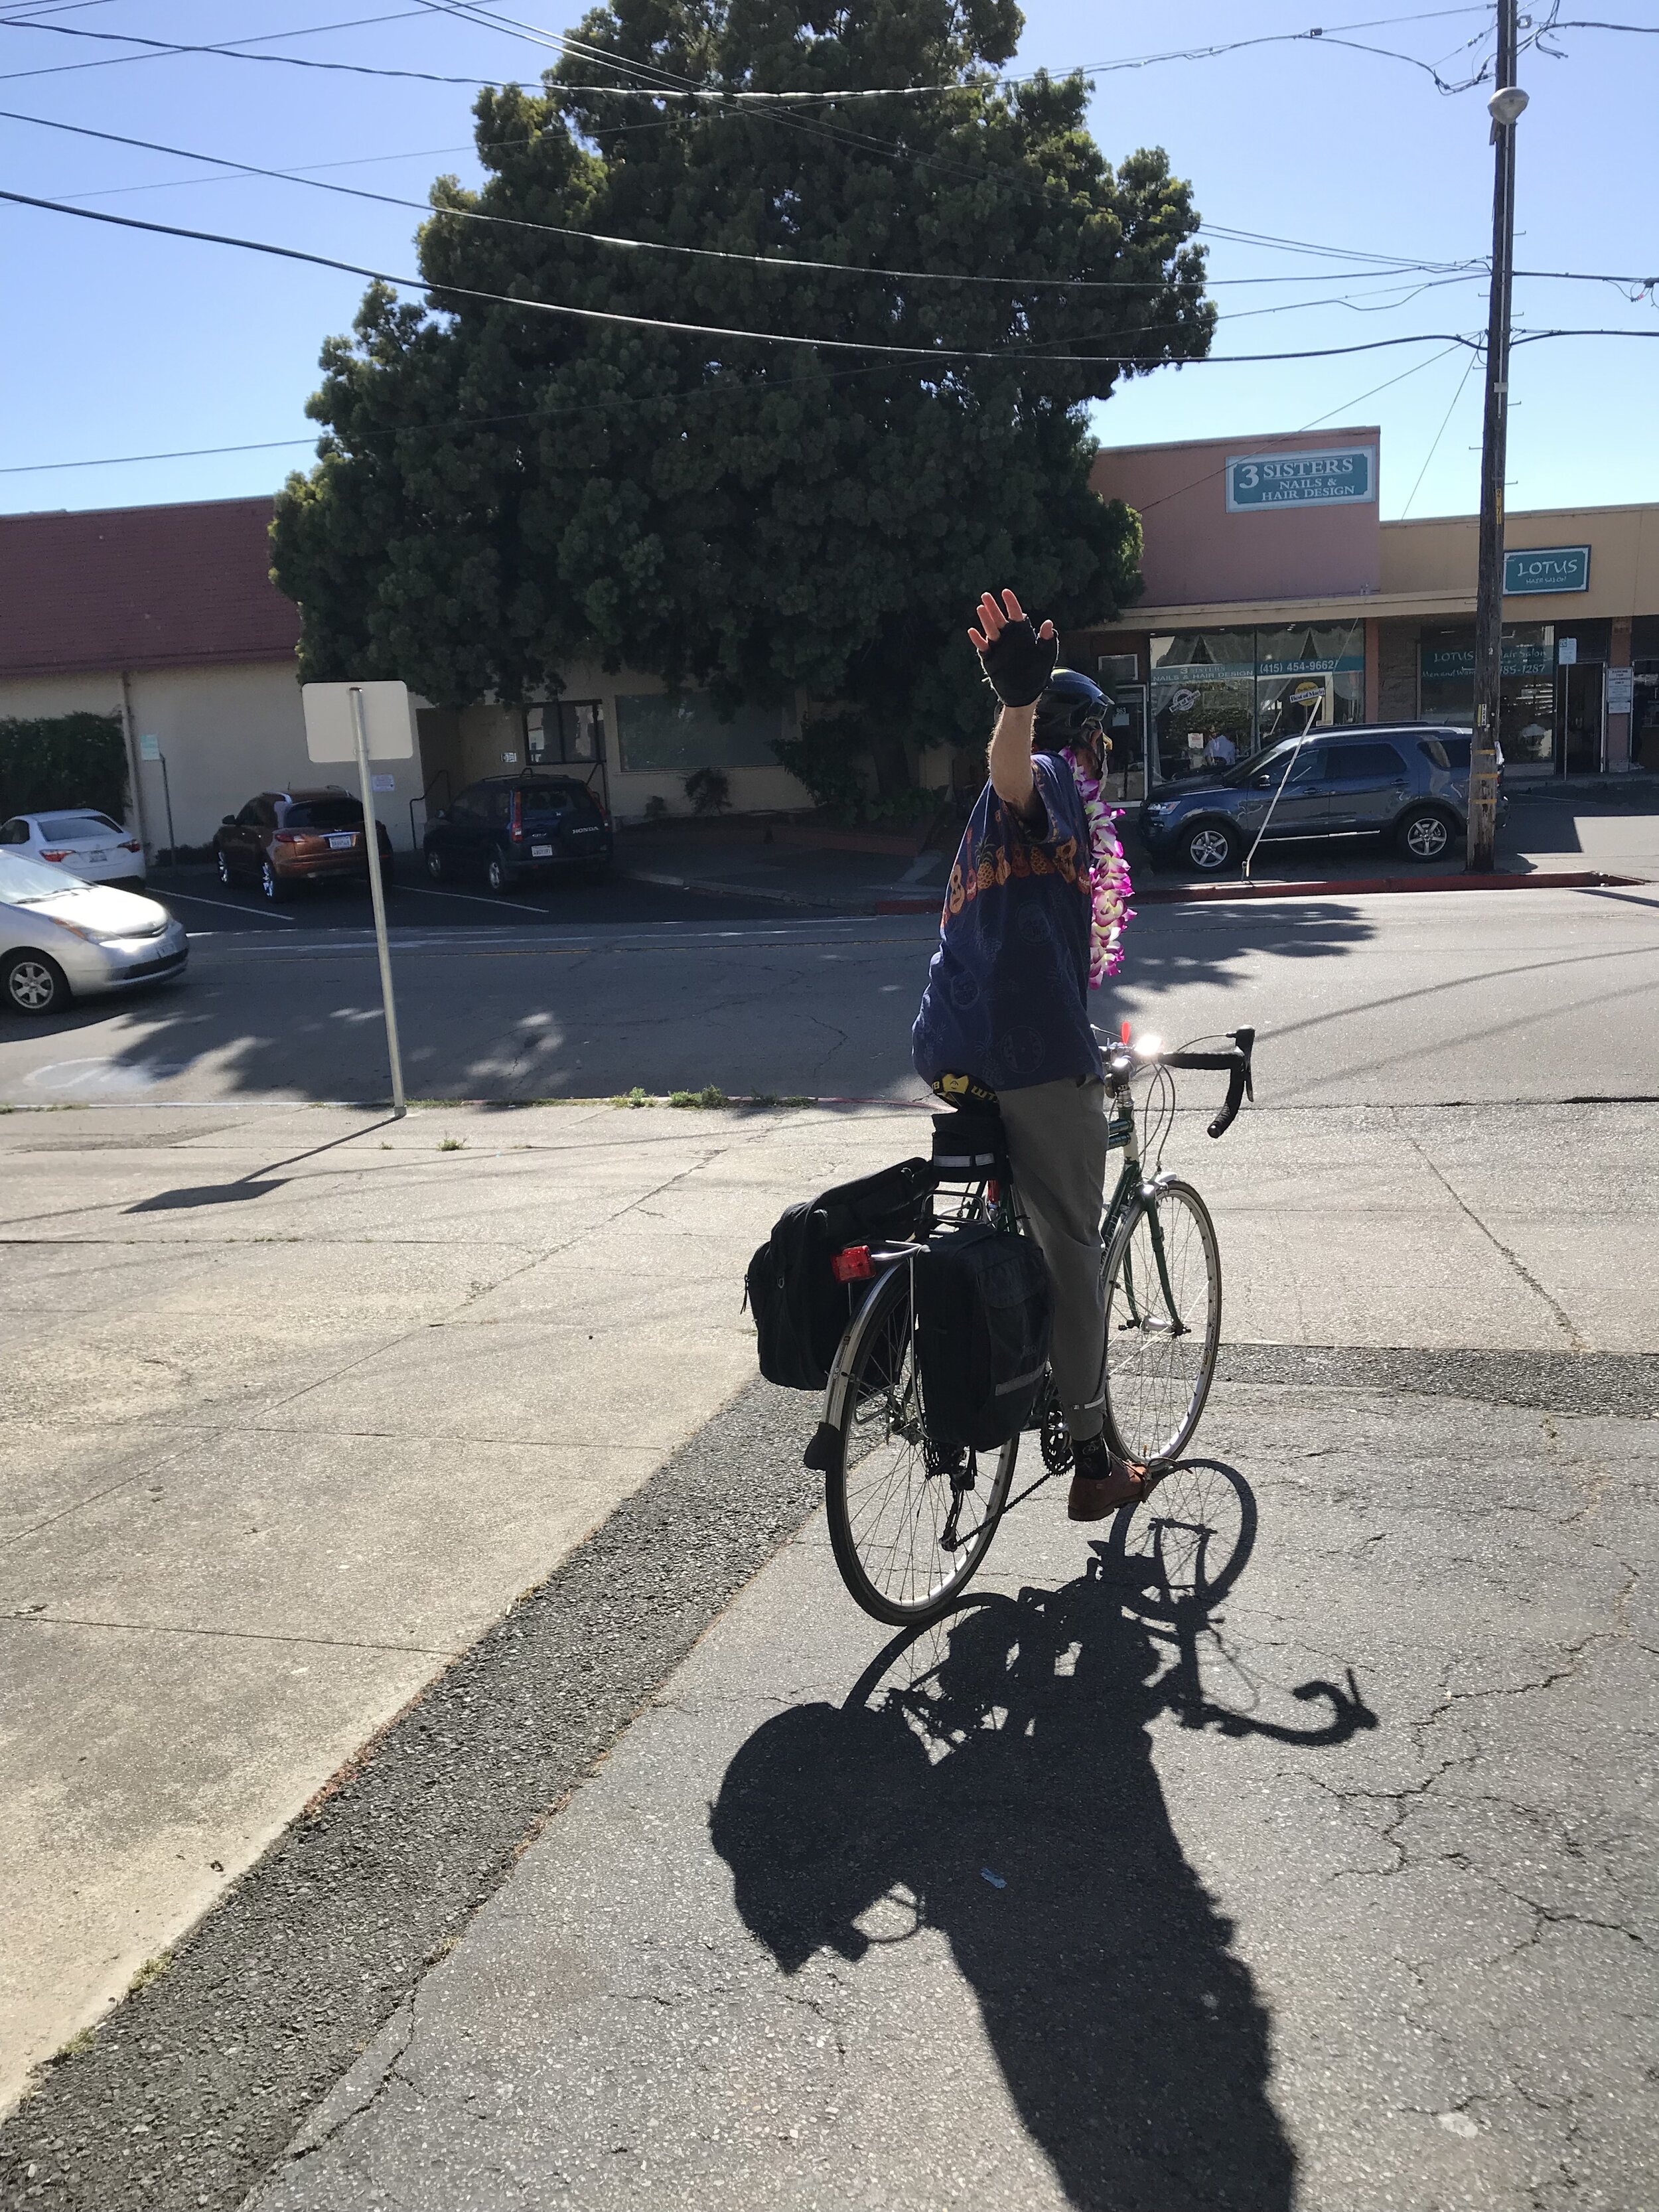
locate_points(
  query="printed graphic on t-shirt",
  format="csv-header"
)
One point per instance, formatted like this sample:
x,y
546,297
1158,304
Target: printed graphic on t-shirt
x,y
1006,997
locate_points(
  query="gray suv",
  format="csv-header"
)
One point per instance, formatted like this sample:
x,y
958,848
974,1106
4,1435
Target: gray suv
x,y
1408,783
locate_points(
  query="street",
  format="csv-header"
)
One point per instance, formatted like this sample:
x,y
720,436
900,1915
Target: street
x,y
370,1481
1538,994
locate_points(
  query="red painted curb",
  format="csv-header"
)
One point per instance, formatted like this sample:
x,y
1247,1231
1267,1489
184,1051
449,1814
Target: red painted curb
x,y
1224,894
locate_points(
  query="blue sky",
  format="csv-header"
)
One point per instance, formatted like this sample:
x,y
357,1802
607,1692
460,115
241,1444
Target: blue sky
x,y
124,344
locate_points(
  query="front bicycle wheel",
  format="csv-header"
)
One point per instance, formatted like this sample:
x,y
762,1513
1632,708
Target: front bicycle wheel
x,y
1162,1323
907,1532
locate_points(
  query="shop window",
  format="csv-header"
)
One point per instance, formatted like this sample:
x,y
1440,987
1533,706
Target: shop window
x,y
1308,673
565,733
660,734
1253,686
1527,715
1203,685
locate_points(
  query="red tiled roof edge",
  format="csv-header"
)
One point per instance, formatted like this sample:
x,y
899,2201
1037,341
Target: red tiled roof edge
x,y
141,587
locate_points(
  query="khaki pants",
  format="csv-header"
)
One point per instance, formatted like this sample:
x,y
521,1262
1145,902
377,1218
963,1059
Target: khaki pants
x,y
1057,1148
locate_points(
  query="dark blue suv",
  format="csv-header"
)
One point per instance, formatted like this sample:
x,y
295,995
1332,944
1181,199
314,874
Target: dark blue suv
x,y
507,827
1408,783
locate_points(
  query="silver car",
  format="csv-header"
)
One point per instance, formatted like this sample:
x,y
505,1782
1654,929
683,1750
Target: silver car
x,y
62,939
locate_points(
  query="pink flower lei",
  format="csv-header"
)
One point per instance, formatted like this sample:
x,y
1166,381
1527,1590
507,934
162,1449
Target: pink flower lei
x,y
1109,875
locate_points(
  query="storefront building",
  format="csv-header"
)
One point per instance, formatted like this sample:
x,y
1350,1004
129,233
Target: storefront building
x,y
1275,597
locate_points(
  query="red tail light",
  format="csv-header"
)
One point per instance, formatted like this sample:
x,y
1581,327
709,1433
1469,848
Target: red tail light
x,y
130,845
852,1264
55,856
289,837
518,814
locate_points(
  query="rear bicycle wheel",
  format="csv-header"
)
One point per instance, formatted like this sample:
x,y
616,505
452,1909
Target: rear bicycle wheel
x,y
906,1537
1162,1323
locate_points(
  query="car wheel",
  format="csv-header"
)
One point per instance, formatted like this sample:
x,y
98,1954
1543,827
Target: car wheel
x,y
35,984
224,866
270,882
499,876
1210,848
434,864
1425,835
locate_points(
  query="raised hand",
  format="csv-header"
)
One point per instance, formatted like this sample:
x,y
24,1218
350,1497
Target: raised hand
x,y
1017,659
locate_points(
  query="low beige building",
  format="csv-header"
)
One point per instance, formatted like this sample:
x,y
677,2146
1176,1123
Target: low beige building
x,y
166,617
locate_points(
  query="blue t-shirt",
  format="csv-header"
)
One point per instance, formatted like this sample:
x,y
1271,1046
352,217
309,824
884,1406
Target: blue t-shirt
x,y
1007,994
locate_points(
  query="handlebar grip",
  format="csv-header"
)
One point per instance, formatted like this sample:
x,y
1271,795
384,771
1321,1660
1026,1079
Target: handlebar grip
x,y
1236,1082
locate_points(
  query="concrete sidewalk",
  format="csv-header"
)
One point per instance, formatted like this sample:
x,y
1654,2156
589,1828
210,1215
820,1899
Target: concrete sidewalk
x,y
1307,1870
299,1401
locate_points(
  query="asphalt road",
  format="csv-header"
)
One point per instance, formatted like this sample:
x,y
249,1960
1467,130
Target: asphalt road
x,y
1431,999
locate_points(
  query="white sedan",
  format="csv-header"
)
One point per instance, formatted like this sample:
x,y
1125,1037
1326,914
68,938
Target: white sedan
x,y
60,937
82,842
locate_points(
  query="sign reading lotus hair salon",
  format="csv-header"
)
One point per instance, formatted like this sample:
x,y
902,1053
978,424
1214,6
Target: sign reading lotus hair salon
x,y
1546,568
1340,475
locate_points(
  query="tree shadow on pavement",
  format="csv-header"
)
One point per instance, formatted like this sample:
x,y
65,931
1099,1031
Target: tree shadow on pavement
x,y
995,1773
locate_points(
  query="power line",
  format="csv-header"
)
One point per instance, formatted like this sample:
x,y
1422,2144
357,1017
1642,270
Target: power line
x,y
231,49
560,414
111,60
1439,434
777,261
453,422
1211,475
683,89
1028,355
1031,355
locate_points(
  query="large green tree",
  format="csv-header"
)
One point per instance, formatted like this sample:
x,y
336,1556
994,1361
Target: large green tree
x,y
500,489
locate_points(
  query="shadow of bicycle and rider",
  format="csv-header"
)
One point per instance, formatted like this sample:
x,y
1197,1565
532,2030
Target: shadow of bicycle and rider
x,y
993,1776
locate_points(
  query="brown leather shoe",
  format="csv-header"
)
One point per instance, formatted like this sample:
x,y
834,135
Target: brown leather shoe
x,y
1102,1483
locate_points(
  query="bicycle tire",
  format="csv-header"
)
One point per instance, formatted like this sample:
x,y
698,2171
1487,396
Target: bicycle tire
x,y
1158,1376
886,1512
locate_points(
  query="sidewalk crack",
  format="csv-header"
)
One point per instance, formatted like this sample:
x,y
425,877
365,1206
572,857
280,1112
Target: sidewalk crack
x,y
1563,1320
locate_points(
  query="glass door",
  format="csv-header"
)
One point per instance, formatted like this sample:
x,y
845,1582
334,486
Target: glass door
x,y
1583,721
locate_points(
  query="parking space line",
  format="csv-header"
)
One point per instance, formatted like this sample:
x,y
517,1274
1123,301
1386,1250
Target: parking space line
x,y
474,898
224,906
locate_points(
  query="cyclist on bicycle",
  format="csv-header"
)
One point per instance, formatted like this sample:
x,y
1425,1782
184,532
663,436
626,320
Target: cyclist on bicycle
x,y
1033,914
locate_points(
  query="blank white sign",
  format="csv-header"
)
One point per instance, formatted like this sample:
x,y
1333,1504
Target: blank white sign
x,y
388,720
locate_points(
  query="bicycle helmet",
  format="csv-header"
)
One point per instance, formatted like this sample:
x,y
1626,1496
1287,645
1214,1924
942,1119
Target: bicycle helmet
x,y
1070,708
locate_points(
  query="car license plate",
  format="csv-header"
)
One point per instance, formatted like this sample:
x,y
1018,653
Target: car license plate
x,y
341,844
98,856
541,852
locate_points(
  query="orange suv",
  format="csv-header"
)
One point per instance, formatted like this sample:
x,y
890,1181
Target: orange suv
x,y
283,838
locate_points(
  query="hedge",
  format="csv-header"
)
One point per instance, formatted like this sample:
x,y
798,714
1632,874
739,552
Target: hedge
x,y
63,760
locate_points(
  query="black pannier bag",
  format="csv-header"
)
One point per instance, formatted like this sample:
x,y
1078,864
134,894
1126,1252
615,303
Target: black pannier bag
x,y
983,1313
800,1310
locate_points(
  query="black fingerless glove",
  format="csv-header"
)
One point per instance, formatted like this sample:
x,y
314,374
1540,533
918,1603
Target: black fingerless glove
x,y
1019,663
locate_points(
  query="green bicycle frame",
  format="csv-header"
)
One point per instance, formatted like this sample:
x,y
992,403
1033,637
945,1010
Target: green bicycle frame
x,y
1121,1131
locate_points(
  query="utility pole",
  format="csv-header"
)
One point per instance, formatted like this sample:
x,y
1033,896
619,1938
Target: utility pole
x,y
1505,107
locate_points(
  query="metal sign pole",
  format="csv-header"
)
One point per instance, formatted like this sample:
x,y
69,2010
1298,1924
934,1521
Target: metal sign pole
x,y
167,794
377,893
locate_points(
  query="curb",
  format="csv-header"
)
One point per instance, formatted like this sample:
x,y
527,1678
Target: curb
x,y
707,887
1187,894
1544,880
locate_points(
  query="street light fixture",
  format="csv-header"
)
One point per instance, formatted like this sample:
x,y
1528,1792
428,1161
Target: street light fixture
x,y
1505,107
